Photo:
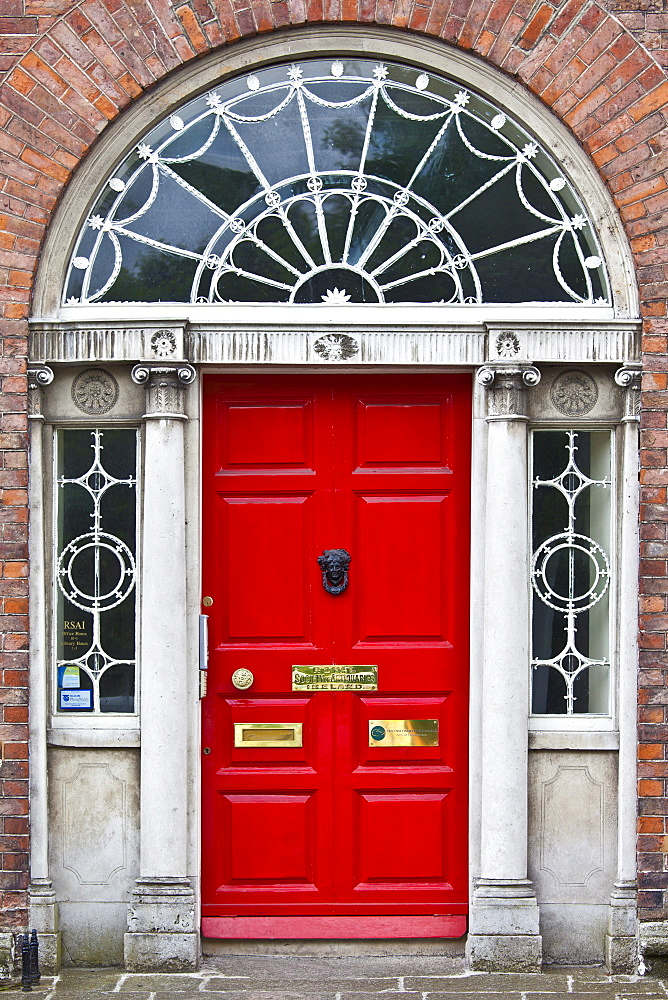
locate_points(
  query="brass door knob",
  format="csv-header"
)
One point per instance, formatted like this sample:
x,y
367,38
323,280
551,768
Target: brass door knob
x,y
242,678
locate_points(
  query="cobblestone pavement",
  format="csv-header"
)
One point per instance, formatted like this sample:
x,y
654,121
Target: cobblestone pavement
x,y
341,979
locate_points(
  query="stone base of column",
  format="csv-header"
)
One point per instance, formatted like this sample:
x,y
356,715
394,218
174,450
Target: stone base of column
x,y
504,935
162,935
621,941
44,918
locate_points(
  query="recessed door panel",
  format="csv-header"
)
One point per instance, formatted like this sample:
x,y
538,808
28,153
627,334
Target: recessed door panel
x,y
401,595
401,837
399,434
323,820
271,838
265,533
266,437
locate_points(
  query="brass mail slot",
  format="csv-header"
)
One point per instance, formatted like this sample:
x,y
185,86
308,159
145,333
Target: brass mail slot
x,y
267,734
403,732
334,677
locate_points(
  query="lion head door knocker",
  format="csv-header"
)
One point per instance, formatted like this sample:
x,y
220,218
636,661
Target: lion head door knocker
x,y
334,564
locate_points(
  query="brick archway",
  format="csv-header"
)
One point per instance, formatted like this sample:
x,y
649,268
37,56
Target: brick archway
x,y
70,68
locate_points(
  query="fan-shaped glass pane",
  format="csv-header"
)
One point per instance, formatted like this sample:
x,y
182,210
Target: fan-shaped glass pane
x,y
342,181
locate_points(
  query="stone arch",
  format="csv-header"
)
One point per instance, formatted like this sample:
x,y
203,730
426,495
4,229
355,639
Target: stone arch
x,y
75,77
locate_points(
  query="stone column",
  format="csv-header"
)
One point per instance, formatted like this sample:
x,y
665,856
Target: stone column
x,y
621,939
41,897
503,927
162,930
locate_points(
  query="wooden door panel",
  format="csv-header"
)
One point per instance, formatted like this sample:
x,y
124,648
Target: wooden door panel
x,y
399,434
268,540
400,836
293,466
399,594
272,838
268,437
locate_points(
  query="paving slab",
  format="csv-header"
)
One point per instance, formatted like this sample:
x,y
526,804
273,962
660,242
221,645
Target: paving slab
x,y
292,978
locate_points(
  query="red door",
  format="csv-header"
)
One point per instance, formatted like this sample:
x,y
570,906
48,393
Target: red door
x,y
315,822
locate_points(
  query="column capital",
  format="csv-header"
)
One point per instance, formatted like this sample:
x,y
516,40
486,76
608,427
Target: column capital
x,y
508,383
39,375
165,385
629,377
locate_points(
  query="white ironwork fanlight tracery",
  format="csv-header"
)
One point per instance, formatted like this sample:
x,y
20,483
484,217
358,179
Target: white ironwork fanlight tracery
x,y
338,183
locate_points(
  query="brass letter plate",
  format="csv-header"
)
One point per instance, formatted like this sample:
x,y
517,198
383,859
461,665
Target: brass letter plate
x,y
267,734
403,732
332,677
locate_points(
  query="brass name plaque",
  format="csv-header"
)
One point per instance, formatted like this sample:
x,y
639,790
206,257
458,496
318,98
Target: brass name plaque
x,y
267,734
403,732
334,677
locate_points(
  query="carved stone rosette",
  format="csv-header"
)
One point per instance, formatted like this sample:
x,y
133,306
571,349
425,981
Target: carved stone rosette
x,y
38,377
508,384
629,377
165,386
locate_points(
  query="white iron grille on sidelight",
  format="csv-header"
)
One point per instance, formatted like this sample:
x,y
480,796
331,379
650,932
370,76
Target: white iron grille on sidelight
x,y
337,182
96,570
571,572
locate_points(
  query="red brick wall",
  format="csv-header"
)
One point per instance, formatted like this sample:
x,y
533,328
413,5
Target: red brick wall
x,y
70,66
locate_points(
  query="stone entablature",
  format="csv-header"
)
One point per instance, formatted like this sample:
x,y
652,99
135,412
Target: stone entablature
x,y
391,344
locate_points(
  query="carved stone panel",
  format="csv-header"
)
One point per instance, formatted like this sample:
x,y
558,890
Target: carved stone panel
x,y
94,821
573,849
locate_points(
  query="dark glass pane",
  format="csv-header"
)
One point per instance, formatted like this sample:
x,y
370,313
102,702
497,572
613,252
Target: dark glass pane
x,y
550,632
548,694
148,274
550,454
117,689
581,693
119,453
75,453
117,630
550,513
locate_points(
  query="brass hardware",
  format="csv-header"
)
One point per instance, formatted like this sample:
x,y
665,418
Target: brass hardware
x,y
267,734
203,679
403,732
206,750
242,678
207,601
334,677
334,564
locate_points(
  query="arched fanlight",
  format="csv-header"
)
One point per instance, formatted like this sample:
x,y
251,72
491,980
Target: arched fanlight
x,y
338,182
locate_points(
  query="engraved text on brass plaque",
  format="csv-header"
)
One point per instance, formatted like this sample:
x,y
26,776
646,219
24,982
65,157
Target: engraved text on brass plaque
x,y
328,677
403,732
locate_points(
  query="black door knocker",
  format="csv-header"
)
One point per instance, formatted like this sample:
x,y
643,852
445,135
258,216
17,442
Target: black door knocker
x,y
334,565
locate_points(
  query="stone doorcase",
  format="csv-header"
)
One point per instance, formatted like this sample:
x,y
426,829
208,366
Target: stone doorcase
x,y
115,794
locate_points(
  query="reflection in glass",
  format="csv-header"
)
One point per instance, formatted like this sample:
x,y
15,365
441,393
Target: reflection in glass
x,y
570,573
96,515
335,182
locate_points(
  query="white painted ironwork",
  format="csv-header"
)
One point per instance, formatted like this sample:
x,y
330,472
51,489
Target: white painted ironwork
x,y
92,546
577,593
330,213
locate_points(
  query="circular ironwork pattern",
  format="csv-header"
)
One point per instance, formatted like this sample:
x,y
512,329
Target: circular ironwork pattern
x,y
82,557
95,391
574,393
593,566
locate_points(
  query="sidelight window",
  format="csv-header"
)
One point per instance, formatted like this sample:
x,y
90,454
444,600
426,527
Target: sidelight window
x,y
96,570
571,571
